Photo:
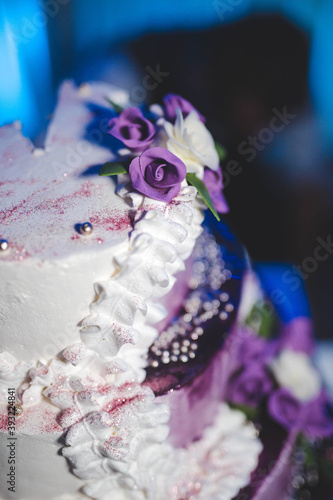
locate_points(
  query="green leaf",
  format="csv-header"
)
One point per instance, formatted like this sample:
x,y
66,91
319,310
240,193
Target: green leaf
x,y
309,450
112,169
262,319
116,107
221,151
203,191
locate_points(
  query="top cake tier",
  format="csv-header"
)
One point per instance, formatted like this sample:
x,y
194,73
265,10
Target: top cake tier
x,y
60,287
45,194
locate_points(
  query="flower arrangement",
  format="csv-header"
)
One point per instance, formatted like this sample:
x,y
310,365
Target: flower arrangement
x,y
277,376
167,149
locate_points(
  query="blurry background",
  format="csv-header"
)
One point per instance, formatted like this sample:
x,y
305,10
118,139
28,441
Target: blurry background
x,y
240,62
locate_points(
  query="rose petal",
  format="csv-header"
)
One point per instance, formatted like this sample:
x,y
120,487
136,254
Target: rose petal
x,y
172,102
213,182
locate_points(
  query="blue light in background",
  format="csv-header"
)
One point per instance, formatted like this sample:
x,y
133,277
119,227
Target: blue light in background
x,y
26,91
110,22
120,21
285,288
25,83
321,64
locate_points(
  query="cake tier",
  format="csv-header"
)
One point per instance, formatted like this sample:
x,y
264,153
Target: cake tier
x,y
45,194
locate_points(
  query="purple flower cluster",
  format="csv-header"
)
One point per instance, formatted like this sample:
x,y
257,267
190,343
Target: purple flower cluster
x,y
158,173
252,384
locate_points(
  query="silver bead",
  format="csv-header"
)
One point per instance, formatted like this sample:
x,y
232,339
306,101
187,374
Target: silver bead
x,y
18,409
86,228
4,245
223,315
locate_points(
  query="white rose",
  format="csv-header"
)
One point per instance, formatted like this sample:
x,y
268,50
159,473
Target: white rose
x,y
294,370
190,140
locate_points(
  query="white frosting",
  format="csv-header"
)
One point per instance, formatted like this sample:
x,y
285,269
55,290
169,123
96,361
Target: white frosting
x,y
41,472
48,271
42,304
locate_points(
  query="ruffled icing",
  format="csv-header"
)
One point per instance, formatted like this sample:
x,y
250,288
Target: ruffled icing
x,y
116,329
116,333
12,373
217,466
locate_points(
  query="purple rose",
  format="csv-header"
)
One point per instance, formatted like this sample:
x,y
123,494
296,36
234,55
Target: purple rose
x,y
286,409
174,101
313,418
157,173
213,181
250,386
132,128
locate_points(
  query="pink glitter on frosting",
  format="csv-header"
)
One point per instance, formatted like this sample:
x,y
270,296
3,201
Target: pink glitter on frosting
x,y
37,419
40,214
116,222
